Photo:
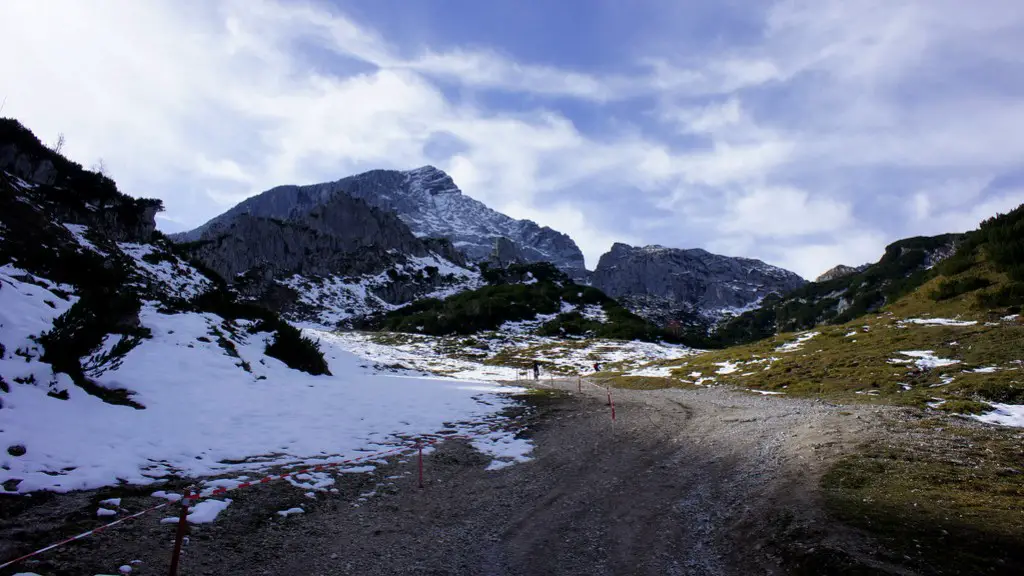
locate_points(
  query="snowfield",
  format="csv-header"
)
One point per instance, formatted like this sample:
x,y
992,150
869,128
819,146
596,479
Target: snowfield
x,y
211,413
464,357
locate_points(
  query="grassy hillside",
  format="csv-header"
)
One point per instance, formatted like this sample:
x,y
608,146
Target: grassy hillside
x,y
988,262
955,340
904,266
522,293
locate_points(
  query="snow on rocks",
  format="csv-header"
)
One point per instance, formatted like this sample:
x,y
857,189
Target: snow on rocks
x,y
338,299
594,312
984,370
938,322
923,359
506,449
798,343
1005,415
78,231
172,274
290,511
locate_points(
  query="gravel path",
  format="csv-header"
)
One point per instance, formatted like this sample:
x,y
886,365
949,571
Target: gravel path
x,y
684,482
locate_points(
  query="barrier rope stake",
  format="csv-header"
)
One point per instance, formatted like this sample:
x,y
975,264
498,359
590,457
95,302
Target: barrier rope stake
x,y
579,384
420,447
612,404
179,538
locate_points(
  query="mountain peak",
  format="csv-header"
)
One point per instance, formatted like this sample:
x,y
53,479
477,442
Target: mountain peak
x,y
430,180
429,202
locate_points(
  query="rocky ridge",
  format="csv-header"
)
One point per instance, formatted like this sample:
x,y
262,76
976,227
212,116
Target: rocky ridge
x,y
429,203
840,271
668,284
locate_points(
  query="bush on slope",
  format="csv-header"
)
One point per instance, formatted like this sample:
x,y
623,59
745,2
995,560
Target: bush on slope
x,y
518,293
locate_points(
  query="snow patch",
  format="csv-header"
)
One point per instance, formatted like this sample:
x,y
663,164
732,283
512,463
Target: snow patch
x,y
938,322
727,367
1004,415
923,359
798,343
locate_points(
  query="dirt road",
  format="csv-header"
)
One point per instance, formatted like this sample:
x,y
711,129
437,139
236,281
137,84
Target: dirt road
x,y
684,482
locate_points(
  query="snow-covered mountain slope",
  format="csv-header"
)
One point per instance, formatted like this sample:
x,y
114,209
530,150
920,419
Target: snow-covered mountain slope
x,y
666,284
429,203
328,259
339,301
215,404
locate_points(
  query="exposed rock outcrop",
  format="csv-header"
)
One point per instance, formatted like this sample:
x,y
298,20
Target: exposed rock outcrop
x,y
840,271
430,204
659,283
75,195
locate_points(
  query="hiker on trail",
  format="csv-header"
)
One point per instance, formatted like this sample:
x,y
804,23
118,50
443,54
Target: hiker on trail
x,y
597,367
536,370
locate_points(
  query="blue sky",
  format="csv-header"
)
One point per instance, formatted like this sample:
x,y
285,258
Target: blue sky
x,y
806,133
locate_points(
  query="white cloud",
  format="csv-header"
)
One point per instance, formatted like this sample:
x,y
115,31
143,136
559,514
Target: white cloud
x,y
783,212
206,104
812,260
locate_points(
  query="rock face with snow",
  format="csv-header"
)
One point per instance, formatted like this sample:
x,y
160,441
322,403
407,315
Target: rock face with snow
x,y
429,203
658,282
326,257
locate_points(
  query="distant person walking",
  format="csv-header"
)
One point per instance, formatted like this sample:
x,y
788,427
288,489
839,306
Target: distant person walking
x,y
597,367
536,370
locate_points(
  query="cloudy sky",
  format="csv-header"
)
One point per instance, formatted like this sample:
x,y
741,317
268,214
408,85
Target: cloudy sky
x,y
806,133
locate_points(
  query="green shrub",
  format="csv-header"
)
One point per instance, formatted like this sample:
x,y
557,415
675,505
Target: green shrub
x,y
964,407
1003,237
297,351
487,308
1007,295
80,330
540,271
954,287
288,344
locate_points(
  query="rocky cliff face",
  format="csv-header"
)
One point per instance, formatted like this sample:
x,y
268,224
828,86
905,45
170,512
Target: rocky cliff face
x,y
325,257
840,272
73,194
430,204
662,284
343,236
